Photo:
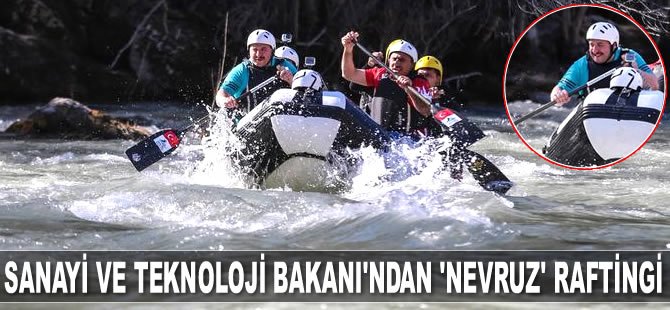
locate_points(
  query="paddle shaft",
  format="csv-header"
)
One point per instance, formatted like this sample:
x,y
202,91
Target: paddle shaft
x,y
461,130
257,87
395,76
486,173
164,142
553,102
180,132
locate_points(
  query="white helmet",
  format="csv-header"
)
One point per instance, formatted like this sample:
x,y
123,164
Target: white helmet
x,y
285,52
307,78
603,31
262,37
403,46
626,77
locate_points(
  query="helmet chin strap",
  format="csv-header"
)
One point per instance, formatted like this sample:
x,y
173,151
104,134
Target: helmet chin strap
x,y
612,49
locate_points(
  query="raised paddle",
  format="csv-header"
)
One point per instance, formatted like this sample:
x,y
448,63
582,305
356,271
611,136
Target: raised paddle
x,y
231,113
458,128
164,142
464,133
572,92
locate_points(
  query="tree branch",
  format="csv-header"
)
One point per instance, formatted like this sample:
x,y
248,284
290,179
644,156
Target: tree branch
x,y
136,33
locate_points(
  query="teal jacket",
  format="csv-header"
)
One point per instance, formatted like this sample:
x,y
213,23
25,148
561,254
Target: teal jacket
x,y
237,80
578,73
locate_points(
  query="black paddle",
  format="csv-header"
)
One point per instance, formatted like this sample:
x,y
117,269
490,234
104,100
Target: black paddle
x,y
483,171
553,102
232,113
157,146
164,142
486,173
464,133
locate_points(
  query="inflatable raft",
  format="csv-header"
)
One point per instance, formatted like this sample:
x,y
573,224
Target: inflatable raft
x,y
608,125
301,139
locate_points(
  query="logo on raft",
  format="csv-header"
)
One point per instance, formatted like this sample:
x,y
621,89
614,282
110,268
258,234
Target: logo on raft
x,y
447,117
167,141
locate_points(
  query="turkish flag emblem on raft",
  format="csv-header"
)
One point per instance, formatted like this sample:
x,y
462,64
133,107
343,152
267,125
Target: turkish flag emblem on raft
x,y
167,141
152,149
447,117
172,138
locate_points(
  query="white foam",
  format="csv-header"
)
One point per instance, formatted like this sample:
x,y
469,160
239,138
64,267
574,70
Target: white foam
x,y
65,157
106,157
216,166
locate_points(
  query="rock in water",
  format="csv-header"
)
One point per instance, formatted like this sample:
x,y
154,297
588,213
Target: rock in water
x,y
64,118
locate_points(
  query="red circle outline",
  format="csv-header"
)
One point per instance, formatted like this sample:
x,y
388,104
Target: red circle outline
x,y
504,81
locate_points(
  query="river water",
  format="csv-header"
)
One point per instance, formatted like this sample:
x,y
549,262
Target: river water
x,y
83,195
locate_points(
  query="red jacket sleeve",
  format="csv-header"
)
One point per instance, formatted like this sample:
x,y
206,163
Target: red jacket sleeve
x,y
373,75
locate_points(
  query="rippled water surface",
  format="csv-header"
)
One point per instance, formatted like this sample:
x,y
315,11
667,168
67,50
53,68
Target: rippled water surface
x,y
86,195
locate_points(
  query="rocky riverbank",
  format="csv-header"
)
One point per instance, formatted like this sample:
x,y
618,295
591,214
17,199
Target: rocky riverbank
x,y
64,118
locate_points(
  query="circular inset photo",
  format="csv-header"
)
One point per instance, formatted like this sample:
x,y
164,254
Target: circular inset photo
x,y
583,86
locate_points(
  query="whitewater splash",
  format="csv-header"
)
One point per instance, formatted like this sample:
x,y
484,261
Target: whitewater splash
x,y
405,163
86,195
215,156
201,186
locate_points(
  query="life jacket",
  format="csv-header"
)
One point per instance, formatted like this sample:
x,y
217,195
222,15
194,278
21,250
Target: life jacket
x,y
258,75
596,69
389,107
